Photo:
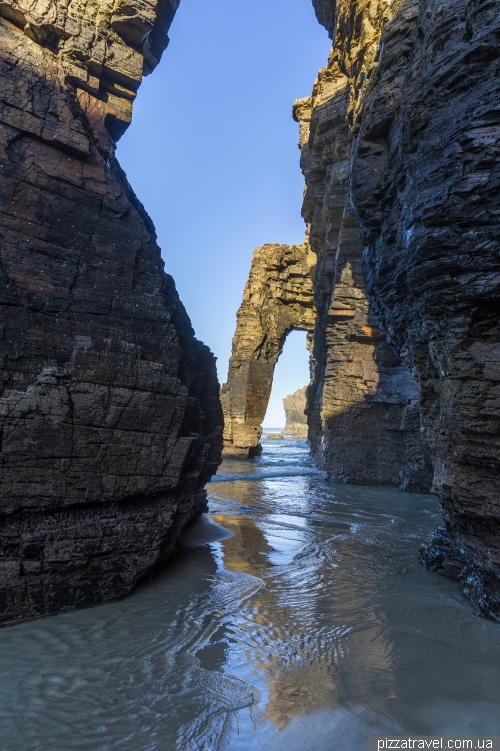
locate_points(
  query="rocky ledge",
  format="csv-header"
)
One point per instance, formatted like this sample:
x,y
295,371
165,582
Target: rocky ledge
x,y
110,417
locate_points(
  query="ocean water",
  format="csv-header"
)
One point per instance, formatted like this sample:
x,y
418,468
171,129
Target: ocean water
x,y
295,615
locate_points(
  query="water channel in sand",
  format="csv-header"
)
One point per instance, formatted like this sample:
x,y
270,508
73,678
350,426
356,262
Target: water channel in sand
x,y
310,627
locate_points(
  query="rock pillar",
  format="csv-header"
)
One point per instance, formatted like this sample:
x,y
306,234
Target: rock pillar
x,y
296,420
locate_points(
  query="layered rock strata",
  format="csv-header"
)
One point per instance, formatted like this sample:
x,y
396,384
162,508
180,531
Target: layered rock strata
x,y
364,423
424,91
110,418
278,298
296,420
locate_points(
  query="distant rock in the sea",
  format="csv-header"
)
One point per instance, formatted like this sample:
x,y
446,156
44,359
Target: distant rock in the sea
x,y
296,420
274,437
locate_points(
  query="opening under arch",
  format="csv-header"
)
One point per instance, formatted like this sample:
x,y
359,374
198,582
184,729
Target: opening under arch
x,y
290,374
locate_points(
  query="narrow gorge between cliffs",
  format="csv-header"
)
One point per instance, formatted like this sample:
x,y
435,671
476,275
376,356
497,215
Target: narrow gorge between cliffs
x,y
175,575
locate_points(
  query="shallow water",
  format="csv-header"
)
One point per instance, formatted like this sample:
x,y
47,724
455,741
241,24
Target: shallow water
x,y
311,627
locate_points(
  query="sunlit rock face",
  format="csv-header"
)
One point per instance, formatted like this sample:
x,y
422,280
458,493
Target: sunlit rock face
x,y
364,423
296,420
111,422
424,90
278,298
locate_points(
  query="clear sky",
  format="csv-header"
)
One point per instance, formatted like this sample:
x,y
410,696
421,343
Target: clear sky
x,y
212,154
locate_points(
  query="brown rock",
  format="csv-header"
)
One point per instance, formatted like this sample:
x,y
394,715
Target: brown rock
x,y
296,420
362,407
278,297
274,437
364,423
110,418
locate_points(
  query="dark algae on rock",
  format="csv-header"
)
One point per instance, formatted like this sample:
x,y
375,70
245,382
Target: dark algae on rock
x,y
110,416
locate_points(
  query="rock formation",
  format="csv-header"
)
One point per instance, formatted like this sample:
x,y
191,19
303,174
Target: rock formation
x,y
278,298
364,423
363,411
296,420
423,82
400,150
110,418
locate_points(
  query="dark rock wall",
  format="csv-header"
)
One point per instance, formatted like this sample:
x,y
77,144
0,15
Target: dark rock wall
x,y
110,417
363,415
364,424
424,93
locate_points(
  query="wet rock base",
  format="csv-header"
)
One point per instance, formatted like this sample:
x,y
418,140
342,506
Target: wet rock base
x,y
448,558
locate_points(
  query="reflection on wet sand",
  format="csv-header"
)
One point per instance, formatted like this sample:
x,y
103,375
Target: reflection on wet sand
x,y
308,658
295,683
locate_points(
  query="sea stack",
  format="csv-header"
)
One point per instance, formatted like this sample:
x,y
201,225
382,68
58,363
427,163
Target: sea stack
x,y
296,420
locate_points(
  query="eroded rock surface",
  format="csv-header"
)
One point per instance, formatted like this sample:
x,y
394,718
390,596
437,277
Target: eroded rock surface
x,y
103,48
110,417
363,414
296,420
278,298
364,423
424,91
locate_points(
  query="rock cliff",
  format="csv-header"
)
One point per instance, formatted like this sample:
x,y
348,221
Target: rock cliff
x,y
400,147
363,411
296,420
423,83
278,298
110,418
363,402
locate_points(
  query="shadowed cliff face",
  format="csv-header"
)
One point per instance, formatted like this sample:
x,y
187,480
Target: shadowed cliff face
x,y
110,416
423,104
363,412
363,402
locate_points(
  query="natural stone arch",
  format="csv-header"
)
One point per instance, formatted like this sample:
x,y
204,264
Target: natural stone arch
x,y
278,298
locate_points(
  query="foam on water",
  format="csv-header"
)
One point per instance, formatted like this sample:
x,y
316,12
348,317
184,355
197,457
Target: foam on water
x,y
294,616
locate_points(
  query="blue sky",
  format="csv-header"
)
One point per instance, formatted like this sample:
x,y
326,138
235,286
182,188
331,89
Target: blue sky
x,y
212,153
